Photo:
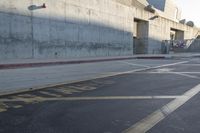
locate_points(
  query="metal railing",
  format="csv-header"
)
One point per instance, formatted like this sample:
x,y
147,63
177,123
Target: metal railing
x,y
189,45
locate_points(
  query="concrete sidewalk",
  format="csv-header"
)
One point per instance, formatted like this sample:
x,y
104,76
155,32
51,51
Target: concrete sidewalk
x,y
23,79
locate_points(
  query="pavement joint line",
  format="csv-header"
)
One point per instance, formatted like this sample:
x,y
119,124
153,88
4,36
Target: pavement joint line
x,y
153,119
91,98
23,90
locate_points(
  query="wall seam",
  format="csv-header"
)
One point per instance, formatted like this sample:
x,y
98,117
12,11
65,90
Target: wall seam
x,y
32,38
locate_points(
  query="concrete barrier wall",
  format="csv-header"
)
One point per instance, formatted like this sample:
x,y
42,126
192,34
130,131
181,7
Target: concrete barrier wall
x,y
65,28
79,28
160,30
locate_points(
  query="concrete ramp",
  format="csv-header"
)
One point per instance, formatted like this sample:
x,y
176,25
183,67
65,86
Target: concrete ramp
x,y
195,46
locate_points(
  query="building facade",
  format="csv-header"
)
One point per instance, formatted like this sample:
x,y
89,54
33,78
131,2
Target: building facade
x,y
86,28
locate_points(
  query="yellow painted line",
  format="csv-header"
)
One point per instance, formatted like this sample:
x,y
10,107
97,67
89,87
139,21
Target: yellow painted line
x,y
153,119
2,110
26,95
27,100
93,98
49,94
84,87
17,106
67,90
3,107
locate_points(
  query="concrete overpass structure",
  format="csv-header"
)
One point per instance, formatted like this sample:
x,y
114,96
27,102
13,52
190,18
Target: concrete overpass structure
x,y
85,28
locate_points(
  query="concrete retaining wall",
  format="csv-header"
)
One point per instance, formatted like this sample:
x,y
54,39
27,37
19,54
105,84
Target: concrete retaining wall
x,y
160,30
66,28
79,28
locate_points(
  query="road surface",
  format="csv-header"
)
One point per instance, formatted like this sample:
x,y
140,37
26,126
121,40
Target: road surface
x,y
159,98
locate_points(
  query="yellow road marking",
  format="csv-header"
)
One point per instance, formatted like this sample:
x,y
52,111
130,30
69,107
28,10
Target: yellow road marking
x,y
94,98
49,94
86,88
28,100
17,106
67,90
3,107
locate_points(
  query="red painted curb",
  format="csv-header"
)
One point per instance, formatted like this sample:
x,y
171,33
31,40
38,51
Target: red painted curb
x,y
41,64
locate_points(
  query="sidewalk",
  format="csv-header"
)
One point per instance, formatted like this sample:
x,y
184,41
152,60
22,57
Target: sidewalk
x,y
23,79
23,75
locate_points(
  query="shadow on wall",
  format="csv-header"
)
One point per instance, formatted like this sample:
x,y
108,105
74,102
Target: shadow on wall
x,y
40,37
55,37
148,46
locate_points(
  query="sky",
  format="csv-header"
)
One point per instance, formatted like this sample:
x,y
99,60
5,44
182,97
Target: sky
x,y
190,10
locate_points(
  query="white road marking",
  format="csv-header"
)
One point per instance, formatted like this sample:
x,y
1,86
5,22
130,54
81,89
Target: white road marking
x,y
92,98
190,72
171,72
133,64
190,64
142,69
172,64
164,70
150,121
185,74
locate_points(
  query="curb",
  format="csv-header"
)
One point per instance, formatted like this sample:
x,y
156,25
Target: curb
x,y
24,90
54,63
36,88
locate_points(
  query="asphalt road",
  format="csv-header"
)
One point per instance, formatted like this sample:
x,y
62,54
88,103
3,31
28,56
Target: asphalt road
x,y
163,99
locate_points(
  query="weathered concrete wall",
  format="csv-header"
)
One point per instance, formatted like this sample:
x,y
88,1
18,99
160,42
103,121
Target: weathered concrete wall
x,y
66,28
167,8
159,29
79,28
